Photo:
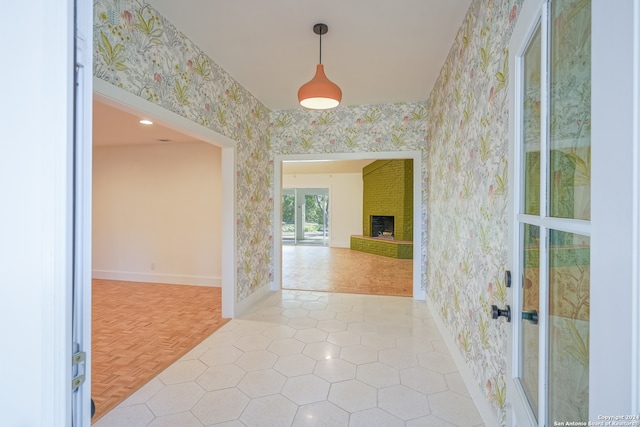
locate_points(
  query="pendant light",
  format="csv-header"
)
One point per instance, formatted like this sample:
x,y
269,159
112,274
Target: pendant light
x,y
320,93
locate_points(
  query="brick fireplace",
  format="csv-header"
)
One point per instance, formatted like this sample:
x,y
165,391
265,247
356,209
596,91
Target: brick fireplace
x,y
387,209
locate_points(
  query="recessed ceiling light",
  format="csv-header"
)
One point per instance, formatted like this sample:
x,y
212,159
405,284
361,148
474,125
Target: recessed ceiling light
x,y
146,122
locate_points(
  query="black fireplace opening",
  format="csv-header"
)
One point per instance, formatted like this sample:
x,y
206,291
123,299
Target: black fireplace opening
x,y
382,226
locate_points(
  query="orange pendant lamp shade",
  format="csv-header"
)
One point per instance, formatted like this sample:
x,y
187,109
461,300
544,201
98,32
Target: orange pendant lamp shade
x,y
319,93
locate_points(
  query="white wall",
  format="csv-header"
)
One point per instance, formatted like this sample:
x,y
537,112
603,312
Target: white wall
x,y
345,202
156,213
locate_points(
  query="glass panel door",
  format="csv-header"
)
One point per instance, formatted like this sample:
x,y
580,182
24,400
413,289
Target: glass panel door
x,y
316,217
288,216
305,216
551,145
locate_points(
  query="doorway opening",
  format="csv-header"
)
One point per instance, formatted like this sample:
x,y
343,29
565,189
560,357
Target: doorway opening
x,y
167,258
336,243
127,102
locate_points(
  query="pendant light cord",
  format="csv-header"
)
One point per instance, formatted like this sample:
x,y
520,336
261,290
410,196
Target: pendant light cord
x,y
320,47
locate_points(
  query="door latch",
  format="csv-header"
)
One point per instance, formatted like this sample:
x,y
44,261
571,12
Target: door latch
x,y
496,312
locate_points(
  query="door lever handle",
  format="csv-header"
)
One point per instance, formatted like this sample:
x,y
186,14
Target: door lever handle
x,y
531,316
496,312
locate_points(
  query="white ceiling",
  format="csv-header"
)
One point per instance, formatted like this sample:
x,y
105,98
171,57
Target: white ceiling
x,y
377,51
324,166
112,126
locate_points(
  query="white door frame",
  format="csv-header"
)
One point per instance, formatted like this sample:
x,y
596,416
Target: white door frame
x,y
416,156
615,301
125,101
530,16
83,160
635,253
614,377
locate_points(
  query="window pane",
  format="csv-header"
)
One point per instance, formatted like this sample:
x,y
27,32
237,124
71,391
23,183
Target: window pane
x,y
570,110
531,125
530,304
288,216
569,260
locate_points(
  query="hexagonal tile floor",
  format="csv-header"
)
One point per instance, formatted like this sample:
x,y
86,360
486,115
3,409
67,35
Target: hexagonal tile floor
x,y
304,358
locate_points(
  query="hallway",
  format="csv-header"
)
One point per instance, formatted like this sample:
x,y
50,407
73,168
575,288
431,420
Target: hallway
x,y
311,358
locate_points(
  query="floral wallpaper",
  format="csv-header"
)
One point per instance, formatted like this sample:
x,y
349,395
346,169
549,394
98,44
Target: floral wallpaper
x,y
369,128
139,51
467,197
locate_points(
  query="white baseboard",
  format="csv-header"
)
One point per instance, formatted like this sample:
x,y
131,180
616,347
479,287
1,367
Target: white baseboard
x,y
479,399
171,279
340,244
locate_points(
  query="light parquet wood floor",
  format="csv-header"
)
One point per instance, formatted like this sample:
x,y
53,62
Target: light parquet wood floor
x,y
321,268
139,329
